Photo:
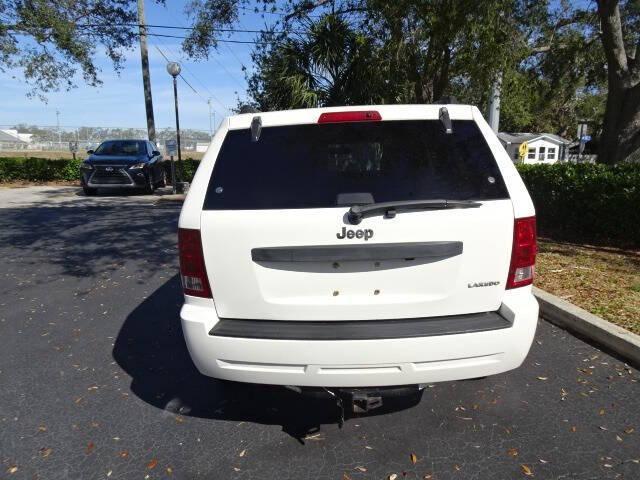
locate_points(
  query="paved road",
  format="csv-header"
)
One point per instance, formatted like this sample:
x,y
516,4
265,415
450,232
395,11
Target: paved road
x,y
97,383
45,196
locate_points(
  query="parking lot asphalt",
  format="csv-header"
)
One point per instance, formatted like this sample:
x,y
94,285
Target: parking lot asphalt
x,y
97,382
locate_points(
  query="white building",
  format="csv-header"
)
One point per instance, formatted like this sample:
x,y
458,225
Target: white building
x,y
202,146
543,147
12,140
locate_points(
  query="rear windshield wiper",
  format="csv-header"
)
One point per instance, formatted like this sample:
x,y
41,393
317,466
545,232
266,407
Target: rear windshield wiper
x,y
389,209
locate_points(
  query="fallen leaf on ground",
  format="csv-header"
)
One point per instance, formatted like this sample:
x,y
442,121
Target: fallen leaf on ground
x,y
243,452
543,378
457,467
512,452
169,470
361,469
42,428
603,428
90,447
45,452
573,429
428,476
601,412
152,464
123,454
109,473
628,430
413,458
543,461
12,469
393,476
345,477
526,470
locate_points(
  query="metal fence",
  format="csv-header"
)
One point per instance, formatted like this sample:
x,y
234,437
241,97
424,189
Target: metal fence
x,y
25,139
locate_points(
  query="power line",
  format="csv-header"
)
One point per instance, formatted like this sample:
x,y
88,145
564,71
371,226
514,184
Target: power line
x,y
221,40
279,13
224,30
251,42
196,78
233,77
234,54
180,74
228,72
175,27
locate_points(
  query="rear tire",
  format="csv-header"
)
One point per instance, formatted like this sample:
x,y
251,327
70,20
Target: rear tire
x,y
163,179
89,191
149,187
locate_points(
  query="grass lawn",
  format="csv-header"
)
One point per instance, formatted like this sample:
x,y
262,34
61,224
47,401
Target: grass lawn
x,y
604,281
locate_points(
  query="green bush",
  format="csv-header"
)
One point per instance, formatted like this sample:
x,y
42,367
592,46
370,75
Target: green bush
x,y
17,169
189,166
586,202
38,169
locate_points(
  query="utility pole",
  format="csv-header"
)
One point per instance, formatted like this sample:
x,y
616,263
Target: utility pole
x,y
146,77
493,110
58,127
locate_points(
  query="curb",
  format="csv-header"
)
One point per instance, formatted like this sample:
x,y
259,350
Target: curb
x,y
575,319
178,197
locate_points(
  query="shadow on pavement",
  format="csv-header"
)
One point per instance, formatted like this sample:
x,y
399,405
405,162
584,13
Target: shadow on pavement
x,y
150,347
92,240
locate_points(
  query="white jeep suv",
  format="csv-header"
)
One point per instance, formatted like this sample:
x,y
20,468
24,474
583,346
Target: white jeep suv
x,y
357,247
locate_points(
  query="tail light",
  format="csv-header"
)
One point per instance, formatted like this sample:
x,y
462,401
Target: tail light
x,y
192,269
341,117
523,253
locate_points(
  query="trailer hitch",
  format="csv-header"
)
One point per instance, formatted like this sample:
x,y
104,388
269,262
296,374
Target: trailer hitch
x,y
359,401
362,402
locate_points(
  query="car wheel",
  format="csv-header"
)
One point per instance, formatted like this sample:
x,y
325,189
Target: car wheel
x,y
149,187
163,179
89,191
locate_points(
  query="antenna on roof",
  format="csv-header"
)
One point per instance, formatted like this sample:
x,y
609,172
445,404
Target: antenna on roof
x,y
446,121
256,128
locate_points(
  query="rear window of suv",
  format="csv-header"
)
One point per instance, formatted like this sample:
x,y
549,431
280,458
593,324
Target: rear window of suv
x,y
308,166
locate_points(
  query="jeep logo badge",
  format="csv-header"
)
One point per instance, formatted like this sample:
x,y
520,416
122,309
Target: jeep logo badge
x,y
366,234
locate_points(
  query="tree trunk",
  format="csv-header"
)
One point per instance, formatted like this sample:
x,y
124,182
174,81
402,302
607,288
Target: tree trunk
x,y
621,130
441,78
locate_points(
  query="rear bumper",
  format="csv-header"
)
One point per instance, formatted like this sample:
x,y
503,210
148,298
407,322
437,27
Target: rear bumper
x,y
361,363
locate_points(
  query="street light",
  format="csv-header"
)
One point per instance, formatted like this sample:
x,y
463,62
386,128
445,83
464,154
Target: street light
x,y
174,70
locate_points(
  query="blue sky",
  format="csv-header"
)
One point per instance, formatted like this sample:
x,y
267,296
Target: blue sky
x,y
119,101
